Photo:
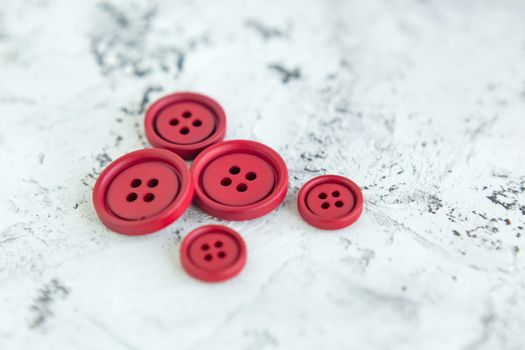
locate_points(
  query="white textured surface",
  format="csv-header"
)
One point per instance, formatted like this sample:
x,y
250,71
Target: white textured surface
x,y
422,103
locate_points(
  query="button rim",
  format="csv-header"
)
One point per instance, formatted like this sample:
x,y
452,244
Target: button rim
x,y
186,151
245,212
206,275
330,223
157,222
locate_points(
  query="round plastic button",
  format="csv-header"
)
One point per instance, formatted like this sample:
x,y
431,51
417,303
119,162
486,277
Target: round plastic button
x,y
213,253
143,191
185,123
239,180
330,202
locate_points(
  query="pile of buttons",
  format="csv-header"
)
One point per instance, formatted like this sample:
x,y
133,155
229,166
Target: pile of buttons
x,y
147,190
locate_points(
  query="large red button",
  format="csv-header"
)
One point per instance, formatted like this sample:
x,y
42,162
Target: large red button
x,y
239,180
213,253
330,202
143,191
185,123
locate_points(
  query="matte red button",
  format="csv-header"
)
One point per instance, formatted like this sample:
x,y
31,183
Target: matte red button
x,y
185,123
239,180
213,253
330,202
143,191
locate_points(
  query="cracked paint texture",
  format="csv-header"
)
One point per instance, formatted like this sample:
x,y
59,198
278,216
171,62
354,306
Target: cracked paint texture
x,y
422,103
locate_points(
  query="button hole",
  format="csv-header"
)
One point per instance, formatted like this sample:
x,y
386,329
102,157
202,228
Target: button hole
x,y
241,187
336,194
148,197
184,131
218,244
226,181
325,205
197,123
186,114
136,183
174,122
153,183
205,246
339,204
131,197
221,255
234,170
208,257
251,176
322,195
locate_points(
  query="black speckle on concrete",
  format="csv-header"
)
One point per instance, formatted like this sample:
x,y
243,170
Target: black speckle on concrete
x,y
286,74
116,14
481,215
312,170
178,236
180,62
103,159
118,140
310,156
265,31
144,101
47,296
507,196
434,204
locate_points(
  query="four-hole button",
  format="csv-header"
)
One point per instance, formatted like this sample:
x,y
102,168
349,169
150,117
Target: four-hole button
x,y
330,202
239,180
185,123
143,191
213,253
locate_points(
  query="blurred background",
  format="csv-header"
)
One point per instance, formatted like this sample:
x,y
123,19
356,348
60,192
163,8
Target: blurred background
x,y
422,103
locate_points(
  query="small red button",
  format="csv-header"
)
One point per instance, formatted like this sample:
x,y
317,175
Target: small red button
x,y
330,202
239,180
185,123
213,253
143,191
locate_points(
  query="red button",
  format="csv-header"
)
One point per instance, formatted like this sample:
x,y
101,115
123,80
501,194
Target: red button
x,y
239,180
185,123
330,202
213,253
143,191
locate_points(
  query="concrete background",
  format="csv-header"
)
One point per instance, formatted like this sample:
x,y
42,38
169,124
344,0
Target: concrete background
x,y
422,103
